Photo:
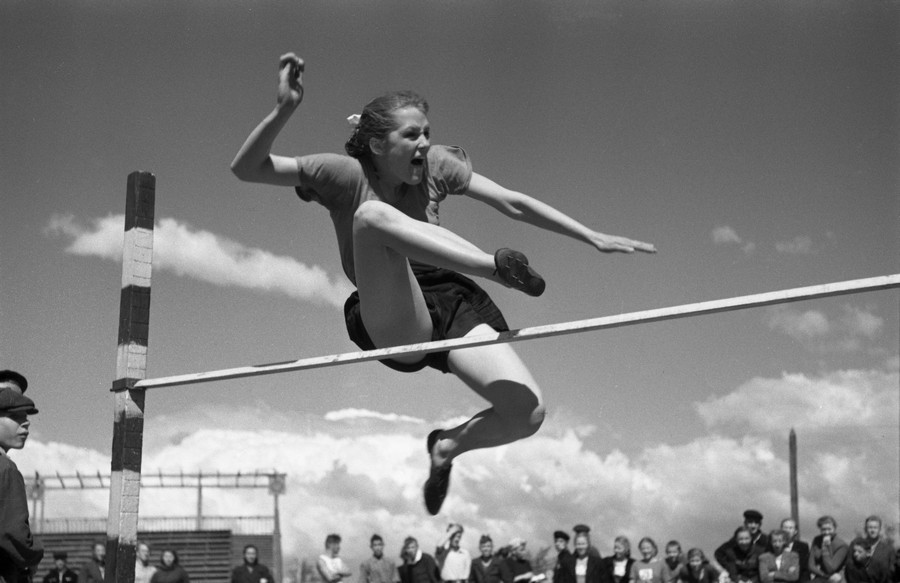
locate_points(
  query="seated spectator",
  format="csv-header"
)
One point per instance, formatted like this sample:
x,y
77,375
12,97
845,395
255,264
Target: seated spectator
x,y
585,529
143,570
486,568
251,571
828,553
649,568
779,565
879,549
455,563
169,571
417,567
516,568
94,569
753,521
698,568
60,573
739,557
617,567
561,544
794,544
675,561
330,566
861,567
378,568
582,567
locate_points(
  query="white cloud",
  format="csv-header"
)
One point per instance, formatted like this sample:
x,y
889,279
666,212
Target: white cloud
x,y
206,256
860,322
354,414
359,472
725,235
854,399
800,245
799,325
842,333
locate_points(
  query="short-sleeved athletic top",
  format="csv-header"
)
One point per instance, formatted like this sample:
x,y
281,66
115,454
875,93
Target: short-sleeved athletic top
x,y
341,183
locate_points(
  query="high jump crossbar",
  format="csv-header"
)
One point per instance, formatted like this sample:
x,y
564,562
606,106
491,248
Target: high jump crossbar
x,y
629,319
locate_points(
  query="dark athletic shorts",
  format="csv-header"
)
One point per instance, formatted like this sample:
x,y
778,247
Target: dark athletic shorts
x,y
456,304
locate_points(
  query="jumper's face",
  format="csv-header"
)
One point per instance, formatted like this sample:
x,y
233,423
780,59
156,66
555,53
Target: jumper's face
x,y
401,154
487,549
250,555
560,544
827,529
873,529
648,551
168,558
377,548
618,549
13,430
695,562
790,527
743,540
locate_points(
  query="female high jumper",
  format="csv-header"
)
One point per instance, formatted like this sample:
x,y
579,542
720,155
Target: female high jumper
x,y
383,199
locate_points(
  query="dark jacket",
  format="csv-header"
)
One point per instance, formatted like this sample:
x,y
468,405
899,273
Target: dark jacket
x,y
608,565
423,571
705,574
741,565
594,573
251,574
480,574
173,574
67,576
18,549
802,550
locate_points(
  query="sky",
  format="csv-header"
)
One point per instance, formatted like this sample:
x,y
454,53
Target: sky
x,y
755,144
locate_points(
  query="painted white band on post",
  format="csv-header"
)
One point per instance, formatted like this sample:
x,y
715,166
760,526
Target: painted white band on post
x,y
710,307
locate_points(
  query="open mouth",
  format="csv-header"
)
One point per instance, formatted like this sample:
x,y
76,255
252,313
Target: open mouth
x,y
417,161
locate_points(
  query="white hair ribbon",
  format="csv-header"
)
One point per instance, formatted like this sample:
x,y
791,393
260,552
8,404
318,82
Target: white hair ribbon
x,y
353,120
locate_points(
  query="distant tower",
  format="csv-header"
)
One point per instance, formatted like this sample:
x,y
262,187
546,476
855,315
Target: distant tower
x,y
795,507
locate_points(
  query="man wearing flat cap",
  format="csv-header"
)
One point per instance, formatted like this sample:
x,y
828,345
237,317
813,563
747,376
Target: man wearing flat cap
x,y
753,522
19,552
61,573
561,544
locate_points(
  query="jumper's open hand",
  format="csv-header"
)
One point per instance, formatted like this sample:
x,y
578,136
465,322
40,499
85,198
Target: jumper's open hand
x,y
290,80
613,244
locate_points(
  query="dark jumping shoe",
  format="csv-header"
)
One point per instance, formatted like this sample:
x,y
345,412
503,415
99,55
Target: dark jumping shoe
x,y
512,267
435,489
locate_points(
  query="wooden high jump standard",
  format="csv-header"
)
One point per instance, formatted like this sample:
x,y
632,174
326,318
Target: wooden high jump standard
x,y
131,366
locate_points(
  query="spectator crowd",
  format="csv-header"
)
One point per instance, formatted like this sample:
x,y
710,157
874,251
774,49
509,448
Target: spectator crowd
x,y
750,555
